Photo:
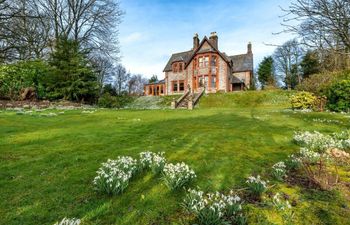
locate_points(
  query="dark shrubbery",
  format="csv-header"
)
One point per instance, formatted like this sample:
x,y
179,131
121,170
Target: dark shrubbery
x,y
339,96
109,101
18,76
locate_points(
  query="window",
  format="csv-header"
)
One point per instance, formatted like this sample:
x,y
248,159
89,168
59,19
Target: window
x,y
206,61
213,82
182,85
200,62
174,86
161,89
175,67
180,67
213,60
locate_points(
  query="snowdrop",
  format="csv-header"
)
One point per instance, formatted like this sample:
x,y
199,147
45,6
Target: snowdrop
x,y
153,161
213,208
178,175
256,185
279,171
114,175
67,221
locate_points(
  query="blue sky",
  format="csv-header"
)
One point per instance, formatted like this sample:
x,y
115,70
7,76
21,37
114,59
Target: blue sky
x,y
154,29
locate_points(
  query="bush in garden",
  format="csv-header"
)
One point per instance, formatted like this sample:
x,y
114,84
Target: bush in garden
x,y
153,161
339,96
303,100
178,175
320,153
23,74
107,101
67,221
256,186
214,208
114,175
279,171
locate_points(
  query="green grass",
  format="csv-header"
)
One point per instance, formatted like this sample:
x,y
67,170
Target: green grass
x,y
47,164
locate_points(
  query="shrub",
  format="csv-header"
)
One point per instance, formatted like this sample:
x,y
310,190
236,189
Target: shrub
x,y
279,171
178,175
67,221
339,96
303,100
114,175
24,74
214,208
109,101
256,186
320,83
153,161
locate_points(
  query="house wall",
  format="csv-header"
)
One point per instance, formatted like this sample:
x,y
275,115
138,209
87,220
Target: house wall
x,y
223,75
174,77
247,76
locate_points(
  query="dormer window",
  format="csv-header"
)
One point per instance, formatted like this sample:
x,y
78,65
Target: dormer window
x,y
180,67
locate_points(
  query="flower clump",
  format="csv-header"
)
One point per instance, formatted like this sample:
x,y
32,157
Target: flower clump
x,y
153,161
177,175
114,175
293,163
214,208
256,185
67,221
279,171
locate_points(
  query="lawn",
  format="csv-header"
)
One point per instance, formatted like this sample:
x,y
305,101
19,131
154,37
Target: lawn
x,y
47,164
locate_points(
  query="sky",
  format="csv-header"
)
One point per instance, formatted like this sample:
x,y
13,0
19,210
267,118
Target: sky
x,y
151,30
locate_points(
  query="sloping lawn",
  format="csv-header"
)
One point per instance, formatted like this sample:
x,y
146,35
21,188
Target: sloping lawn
x,y
47,164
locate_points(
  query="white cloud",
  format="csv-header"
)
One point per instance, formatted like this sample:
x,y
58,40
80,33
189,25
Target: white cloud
x,y
133,37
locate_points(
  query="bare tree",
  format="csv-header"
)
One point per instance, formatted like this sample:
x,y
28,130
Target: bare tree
x,y
322,25
287,59
136,84
103,67
121,78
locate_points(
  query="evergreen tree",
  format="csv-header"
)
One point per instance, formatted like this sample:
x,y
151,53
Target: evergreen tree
x,y
153,79
266,74
310,64
72,78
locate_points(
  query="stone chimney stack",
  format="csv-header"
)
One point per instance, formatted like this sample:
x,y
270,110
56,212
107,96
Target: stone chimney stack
x,y
214,39
195,42
250,48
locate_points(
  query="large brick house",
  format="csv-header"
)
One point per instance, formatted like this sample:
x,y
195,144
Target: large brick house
x,y
205,66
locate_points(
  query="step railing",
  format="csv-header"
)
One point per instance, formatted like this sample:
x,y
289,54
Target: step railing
x,y
175,103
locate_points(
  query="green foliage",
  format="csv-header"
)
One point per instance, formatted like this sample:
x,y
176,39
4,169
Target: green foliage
x,y
320,83
266,72
303,100
71,76
15,77
109,101
310,64
339,96
153,79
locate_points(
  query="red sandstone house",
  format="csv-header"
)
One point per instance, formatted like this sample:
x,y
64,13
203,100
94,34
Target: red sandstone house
x,y
205,66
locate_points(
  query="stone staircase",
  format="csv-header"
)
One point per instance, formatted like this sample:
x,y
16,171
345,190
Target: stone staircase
x,y
187,100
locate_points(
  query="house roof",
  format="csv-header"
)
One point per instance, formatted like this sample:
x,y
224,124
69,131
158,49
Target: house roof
x,y
181,56
242,62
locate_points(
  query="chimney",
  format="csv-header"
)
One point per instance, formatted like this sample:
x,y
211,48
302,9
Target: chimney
x,y
250,48
214,39
195,42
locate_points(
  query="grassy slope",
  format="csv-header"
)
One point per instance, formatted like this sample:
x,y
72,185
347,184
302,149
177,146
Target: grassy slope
x,y
47,164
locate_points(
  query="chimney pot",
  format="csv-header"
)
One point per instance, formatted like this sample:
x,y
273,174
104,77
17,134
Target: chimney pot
x,y
214,39
249,48
195,42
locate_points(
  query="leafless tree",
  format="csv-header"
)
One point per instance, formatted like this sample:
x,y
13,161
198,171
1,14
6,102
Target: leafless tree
x,y
136,84
103,67
287,58
323,25
120,77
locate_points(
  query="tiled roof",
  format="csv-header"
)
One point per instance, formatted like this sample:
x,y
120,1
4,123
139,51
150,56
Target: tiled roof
x,y
242,62
181,56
